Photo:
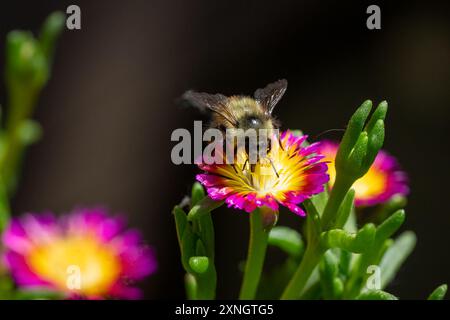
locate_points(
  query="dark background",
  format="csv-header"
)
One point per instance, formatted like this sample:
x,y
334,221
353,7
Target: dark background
x,y
109,109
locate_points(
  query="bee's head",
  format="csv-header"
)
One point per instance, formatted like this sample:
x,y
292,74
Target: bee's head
x,y
249,113
255,121
252,122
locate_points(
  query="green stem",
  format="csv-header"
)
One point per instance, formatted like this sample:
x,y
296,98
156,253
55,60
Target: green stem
x,y
206,284
21,106
337,195
314,251
309,262
4,207
255,258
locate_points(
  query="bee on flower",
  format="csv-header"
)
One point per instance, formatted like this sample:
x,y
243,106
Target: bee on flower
x,y
298,174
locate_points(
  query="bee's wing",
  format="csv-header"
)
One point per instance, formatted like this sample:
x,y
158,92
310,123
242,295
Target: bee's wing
x,y
269,96
214,102
203,101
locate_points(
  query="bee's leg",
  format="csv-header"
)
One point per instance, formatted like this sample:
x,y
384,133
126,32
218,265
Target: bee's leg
x,y
273,167
279,143
252,170
234,158
245,164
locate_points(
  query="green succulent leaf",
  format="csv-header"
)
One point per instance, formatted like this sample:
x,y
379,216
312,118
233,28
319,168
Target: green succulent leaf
x,y
313,292
199,264
197,193
353,131
320,201
390,226
351,223
206,233
345,260
4,207
438,293
287,239
379,114
203,207
375,142
51,29
200,249
188,247
29,132
190,283
357,156
332,286
360,143
345,209
395,255
180,222
376,295
357,243
313,224
37,294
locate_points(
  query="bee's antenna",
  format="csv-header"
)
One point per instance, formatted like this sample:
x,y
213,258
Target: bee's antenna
x,y
328,131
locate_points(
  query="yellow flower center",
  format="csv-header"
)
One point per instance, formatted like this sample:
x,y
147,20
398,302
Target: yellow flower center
x,y
371,184
274,174
80,264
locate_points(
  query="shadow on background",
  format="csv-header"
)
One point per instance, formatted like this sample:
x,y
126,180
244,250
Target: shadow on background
x,y
109,109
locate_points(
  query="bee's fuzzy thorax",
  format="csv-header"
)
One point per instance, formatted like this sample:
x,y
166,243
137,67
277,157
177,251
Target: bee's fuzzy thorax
x,y
242,108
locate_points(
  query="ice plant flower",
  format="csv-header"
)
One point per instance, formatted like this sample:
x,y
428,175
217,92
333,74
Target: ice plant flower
x,y
42,251
383,180
297,174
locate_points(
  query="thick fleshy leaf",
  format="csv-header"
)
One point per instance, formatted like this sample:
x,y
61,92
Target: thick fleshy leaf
x,y
332,285
390,226
313,225
199,264
180,222
345,209
203,207
190,284
395,255
353,131
376,295
357,243
38,294
438,293
357,156
375,142
200,249
320,201
187,247
287,239
197,193
29,132
4,207
51,29
379,114
345,261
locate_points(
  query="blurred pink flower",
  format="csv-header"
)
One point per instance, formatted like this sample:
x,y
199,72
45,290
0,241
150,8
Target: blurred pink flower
x,y
42,251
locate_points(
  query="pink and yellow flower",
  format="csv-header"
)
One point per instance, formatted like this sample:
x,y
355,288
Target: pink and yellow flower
x,y
288,176
383,180
42,251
